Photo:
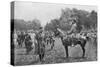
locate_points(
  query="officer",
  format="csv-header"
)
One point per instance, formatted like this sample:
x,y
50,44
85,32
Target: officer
x,y
73,29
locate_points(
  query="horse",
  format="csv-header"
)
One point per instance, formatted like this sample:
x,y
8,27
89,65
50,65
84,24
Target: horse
x,y
35,40
73,41
28,43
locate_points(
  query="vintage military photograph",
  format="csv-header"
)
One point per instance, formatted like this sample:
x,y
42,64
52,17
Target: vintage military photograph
x,y
49,33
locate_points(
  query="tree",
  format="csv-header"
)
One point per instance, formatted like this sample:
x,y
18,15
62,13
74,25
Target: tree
x,y
83,19
20,24
52,25
35,24
93,18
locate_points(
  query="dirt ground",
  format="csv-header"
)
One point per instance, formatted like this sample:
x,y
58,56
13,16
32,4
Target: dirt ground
x,y
57,54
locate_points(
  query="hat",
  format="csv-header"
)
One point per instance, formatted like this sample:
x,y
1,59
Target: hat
x,y
40,28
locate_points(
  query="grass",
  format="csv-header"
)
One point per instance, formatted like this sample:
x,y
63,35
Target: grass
x,y
57,55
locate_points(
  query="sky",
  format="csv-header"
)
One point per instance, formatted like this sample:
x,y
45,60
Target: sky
x,y
44,12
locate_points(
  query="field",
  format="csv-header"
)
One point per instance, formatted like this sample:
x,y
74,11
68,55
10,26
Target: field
x,y
57,54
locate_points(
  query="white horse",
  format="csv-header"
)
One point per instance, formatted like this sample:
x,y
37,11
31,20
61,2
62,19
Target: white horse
x,y
32,35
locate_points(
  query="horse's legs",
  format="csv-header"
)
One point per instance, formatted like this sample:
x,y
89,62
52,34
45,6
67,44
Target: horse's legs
x,y
40,57
27,50
66,49
83,48
19,44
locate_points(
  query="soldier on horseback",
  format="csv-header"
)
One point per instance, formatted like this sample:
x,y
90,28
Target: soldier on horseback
x,y
73,30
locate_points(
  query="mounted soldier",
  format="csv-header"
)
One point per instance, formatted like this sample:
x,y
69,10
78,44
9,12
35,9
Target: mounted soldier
x,y
73,30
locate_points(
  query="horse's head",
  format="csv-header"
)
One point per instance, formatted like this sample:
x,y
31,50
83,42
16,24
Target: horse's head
x,y
59,33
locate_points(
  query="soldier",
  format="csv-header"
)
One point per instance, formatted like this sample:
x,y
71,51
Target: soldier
x,y
73,30
40,47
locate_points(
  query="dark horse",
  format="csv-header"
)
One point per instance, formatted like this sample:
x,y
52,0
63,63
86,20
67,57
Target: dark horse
x,y
69,41
28,43
74,41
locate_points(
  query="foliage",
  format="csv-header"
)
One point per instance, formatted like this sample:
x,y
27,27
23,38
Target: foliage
x,y
26,25
84,19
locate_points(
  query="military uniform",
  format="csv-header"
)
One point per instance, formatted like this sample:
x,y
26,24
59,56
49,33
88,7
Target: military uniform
x,y
39,46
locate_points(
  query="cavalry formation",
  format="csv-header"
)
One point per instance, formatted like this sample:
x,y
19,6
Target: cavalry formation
x,y
39,41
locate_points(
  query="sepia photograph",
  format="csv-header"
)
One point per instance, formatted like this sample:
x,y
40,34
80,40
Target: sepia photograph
x,y
50,33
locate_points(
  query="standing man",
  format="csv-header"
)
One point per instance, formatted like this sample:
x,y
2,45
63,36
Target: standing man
x,y
40,47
